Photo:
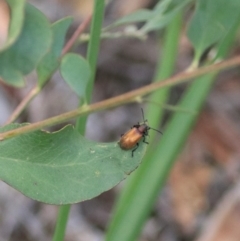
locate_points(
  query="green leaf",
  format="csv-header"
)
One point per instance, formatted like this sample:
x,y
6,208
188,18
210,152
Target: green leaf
x,y
162,6
23,56
63,167
211,22
16,22
138,16
50,61
151,16
228,39
76,72
163,15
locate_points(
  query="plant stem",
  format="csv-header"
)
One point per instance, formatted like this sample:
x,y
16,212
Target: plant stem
x,y
61,222
76,35
92,55
165,68
23,104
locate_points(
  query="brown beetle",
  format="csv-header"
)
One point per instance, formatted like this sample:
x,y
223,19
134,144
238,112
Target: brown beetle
x,y
131,138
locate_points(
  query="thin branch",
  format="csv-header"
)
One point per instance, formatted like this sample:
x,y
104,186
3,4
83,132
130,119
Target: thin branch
x,y
26,100
121,34
76,34
128,97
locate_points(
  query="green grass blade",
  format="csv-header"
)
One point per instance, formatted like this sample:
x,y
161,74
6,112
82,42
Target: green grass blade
x,y
128,220
137,199
62,222
92,55
164,69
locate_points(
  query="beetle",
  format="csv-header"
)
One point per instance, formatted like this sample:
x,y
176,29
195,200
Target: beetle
x,y
130,140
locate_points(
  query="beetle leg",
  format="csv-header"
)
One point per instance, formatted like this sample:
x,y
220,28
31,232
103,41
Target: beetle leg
x,y
137,145
145,141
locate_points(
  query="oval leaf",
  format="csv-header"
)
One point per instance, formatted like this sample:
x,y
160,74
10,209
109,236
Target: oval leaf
x,y
50,61
76,72
16,22
63,167
23,56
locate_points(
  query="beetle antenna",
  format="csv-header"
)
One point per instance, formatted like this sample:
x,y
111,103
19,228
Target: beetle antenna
x,y
143,116
156,130
146,121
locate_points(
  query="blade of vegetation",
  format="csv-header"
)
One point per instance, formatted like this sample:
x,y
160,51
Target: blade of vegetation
x,y
164,69
63,215
162,18
162,6
154,172
76,72
23,56
141,15
155,19
63,167
16,22
51,61
92,56
129,199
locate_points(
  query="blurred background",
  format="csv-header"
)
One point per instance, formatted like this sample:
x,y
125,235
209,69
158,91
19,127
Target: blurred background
x,y
200,201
